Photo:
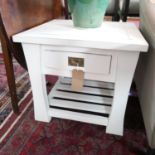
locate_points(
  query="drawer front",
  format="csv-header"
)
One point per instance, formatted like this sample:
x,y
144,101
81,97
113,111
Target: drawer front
x,y
89,63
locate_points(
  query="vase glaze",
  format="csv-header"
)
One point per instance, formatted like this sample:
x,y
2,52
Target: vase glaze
x,y
87,13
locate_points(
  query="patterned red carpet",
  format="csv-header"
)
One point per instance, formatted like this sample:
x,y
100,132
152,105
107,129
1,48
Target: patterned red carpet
x,y
7,118
64,137
22,84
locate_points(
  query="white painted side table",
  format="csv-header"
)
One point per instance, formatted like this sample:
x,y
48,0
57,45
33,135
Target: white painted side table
x,y
108,56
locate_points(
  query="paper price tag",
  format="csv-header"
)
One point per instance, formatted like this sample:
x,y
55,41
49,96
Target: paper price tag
x,y
77,80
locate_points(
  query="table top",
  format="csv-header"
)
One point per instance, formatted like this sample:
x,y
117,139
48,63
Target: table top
x,y
111,36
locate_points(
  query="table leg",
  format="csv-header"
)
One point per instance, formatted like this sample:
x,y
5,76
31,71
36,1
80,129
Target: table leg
x,y
126,65
33,58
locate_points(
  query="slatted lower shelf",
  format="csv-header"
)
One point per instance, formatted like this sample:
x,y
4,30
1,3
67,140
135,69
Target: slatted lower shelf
x,y
91,105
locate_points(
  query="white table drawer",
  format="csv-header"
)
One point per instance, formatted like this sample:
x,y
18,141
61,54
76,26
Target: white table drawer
x,y
97,64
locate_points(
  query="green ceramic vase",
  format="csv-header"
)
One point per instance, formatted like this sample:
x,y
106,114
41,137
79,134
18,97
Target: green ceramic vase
x,y
87,13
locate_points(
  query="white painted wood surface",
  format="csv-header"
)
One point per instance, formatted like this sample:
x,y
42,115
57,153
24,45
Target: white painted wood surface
x,y
60,61
80,106
125,71
86,89
93,59
91,83
38,82
88,98
78,116
111,35
111,52
88,102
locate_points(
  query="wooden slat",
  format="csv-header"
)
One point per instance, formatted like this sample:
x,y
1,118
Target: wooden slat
x,y
65,114
88,90
80,106
82,97
90,83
